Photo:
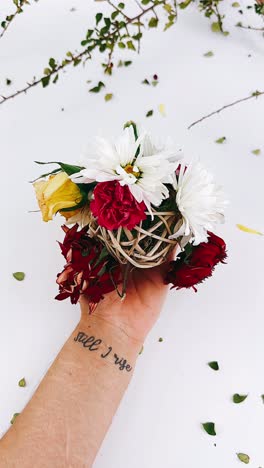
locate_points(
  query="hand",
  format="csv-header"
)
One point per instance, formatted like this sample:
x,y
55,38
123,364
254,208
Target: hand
x,y
138,311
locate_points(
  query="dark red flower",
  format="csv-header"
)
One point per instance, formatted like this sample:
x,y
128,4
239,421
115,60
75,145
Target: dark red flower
x,y
115,206
195,266
209,253
89,269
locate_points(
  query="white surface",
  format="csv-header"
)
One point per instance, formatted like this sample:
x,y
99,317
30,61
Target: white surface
x,y
173,390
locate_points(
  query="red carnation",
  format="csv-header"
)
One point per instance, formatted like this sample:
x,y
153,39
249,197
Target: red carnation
x,y
115,206
87,270
194,267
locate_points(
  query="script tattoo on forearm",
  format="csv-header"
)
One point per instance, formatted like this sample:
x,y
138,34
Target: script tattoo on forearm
x,y
94,344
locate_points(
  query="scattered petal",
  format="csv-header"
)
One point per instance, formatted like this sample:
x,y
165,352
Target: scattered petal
x,y
209,427
161,109
239,398
220,140
22,382
15,415
214,365
19,275
243,457
249,230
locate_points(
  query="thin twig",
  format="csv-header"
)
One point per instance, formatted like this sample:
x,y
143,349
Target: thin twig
x,y
256,94
250,27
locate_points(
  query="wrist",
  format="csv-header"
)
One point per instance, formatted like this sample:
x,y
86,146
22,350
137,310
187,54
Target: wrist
x,y
112,334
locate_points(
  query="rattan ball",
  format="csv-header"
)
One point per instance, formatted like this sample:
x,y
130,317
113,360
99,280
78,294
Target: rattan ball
x,y
146,246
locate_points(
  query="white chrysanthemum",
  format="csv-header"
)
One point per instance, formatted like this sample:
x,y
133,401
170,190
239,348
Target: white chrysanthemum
x,y
138,164
200,201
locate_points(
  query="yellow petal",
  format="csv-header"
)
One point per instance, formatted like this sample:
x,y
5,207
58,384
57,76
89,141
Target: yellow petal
x,y
249,230
161,108
56,193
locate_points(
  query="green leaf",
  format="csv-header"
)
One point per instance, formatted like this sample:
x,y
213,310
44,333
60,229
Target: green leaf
x,y
121,45
22,382
130,45
52,63
209,427
145,2
45,81
145,81
68,168
108,97
209,54
127,63
215,27
214,365
55,78
160,340
235,5
239,398
8,81
97,89
98,17
121,5
150,113
256,151
185,4
15,415
243,457
153,22
220,140
19,275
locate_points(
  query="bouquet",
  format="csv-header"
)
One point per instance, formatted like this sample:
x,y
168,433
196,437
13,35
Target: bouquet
x,y
128,205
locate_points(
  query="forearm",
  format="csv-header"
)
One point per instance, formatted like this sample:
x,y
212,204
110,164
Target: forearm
x,y
67,418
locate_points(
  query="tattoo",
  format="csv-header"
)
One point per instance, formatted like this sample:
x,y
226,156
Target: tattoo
x,y
94,344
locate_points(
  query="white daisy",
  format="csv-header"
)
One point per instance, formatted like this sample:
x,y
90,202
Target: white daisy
x,y
200,201
136,163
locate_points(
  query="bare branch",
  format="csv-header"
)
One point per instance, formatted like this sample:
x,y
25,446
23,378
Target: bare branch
x,y
256,94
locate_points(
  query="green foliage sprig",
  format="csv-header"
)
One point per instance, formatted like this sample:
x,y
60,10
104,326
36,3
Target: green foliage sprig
x,y
19,4
116,31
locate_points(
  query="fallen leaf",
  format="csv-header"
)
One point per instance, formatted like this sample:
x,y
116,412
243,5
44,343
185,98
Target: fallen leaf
x,y
161,108
239,398
15,415
108,97
160,340
214,365
220,140
209,54
256,151
243,457
22,382
209,427
249,230
150,113
19,275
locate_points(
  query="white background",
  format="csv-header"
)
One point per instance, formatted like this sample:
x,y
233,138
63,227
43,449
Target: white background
x,y
173,389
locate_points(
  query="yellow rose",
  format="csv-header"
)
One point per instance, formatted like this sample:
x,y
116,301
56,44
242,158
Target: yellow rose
x,y
56,193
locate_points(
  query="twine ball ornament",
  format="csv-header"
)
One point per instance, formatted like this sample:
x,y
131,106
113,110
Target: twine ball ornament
x,y
146,246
